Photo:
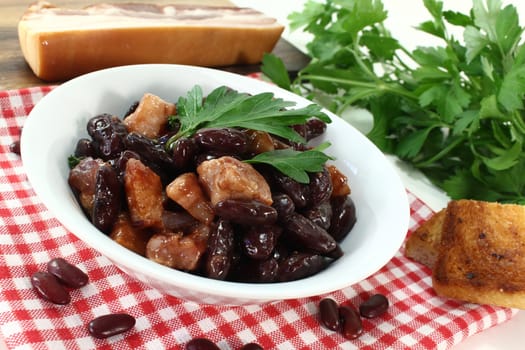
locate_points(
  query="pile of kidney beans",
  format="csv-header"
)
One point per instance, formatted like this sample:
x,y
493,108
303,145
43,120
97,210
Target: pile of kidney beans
x,y
346,318
54,284
307,220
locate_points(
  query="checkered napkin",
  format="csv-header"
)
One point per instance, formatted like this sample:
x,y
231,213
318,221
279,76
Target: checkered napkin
x,y
30,237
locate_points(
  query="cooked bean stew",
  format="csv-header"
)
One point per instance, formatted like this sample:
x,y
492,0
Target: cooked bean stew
x,y
197,206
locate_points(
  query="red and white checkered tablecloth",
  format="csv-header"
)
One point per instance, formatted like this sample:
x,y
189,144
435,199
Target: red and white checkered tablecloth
x,y
30,237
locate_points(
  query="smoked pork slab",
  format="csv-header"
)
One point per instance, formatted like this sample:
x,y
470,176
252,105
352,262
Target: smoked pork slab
x,y
60,43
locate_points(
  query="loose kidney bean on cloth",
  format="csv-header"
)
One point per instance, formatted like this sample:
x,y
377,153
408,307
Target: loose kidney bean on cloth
x,y
30,236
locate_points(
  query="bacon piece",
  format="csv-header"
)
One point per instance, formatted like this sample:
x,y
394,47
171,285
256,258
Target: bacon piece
x,y
339,182
144,194
187,192
129,236
151,116
179,251
229,178
83,179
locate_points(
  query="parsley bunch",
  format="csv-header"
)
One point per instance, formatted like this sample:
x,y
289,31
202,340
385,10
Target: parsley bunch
x,y
454,111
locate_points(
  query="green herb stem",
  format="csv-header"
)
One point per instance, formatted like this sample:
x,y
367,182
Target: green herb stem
x,y
441,154
380,87
518,121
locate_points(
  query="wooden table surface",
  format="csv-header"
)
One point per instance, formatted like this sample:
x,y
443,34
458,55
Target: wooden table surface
x,y
16,74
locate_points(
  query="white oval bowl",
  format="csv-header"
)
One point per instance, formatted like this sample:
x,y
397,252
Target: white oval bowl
x,y
59,120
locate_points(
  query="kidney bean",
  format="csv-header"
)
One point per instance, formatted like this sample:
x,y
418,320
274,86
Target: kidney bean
x,y
251,346
201,344
282,250
300,265
107,200
283,204
298,192
132,108
163,139
122,160
151,153
374,306
14,147
300,129
257,271
174,126
321,215
314,127
299,146
184,151
302,231
202,157
107,132
259,141
335,254
220,250
258,242
178,221
48,287
320,187
351,324
223,140
85,148
111,324
67,273
329,313
246,212
343,217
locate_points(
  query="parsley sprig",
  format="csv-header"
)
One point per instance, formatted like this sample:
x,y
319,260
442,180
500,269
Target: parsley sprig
x,y
224,107
454,111
295,164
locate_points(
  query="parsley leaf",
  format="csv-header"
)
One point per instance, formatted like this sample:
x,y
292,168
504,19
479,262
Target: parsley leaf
x,y
227,108
224,107
295,164
454,110
72,161
274,69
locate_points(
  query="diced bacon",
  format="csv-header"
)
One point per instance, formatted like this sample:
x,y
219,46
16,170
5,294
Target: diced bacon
x,y
83,180
151,116
129,236
178,251
187,192
339,182
144,194
228,178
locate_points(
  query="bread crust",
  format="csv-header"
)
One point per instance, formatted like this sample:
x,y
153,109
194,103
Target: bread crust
x,y
423,243
482,254
55,55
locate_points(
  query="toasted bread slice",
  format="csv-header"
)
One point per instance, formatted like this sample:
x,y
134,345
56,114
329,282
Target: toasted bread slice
x,y
423,243
482,254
